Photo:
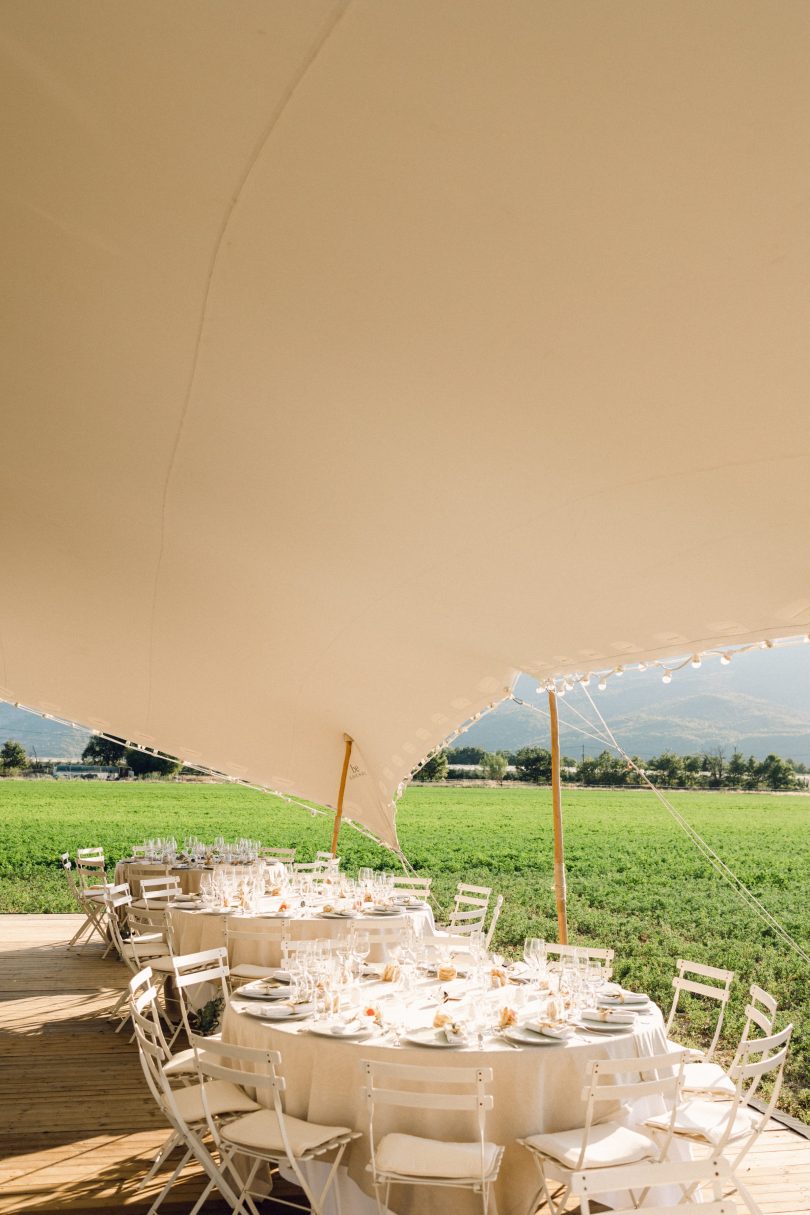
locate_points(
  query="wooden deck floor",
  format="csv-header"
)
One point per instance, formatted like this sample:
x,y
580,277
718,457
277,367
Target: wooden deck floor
x,y
78,1127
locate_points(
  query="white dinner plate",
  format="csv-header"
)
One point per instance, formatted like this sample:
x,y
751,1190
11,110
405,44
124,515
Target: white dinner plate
x,y
526,1037
539,1033
378,911
272,1012
339,915
606,1027
428,1036
258,990
352,1034
640,1002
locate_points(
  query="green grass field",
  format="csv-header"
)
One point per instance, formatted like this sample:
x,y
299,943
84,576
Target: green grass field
x,y
634,880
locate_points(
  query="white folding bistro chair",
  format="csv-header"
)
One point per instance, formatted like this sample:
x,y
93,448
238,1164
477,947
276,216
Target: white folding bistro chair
x,y
183,1108
268,935
383,937
158,891
470,908
90,902
712,984
326,858
607,1144
90,868
268,1136
557,954
496,912
407,884
179,1064
398,1158
293,949
642,1180
198,979
285,855
734,1126
711,1078
146,945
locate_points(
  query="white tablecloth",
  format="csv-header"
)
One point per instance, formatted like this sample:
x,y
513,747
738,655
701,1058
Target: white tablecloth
x,y
536,1089
196,930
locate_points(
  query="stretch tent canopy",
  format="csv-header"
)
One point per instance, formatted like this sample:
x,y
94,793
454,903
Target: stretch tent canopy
x,y
357,355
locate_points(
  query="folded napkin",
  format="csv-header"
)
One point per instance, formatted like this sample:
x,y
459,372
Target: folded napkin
x,y
281,1010
276,1012
278,991
622,996
345,1027
454,1032
617,1016
550,1029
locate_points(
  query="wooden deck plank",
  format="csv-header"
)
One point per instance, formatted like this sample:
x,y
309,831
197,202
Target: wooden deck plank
x,y
78,1128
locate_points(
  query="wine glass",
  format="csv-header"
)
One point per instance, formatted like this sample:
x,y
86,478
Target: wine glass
x,y
361,947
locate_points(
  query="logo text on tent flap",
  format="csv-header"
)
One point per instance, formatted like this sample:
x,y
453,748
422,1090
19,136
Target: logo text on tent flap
x,y
356,771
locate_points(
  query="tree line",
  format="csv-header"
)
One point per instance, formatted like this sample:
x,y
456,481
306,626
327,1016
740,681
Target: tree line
x,y
104,752
710,769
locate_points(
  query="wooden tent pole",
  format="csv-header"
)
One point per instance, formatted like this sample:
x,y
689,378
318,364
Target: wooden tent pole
x,y
341,792
556,798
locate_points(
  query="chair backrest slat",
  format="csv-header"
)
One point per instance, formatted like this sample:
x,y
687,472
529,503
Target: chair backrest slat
x,y
719,993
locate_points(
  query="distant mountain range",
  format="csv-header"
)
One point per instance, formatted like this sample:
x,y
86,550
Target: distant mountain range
x,y
758,704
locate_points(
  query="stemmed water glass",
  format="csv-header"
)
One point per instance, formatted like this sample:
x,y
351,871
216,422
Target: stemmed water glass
x,y
360,947
534,953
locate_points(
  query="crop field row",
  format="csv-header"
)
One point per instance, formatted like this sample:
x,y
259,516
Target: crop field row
x,y
635,882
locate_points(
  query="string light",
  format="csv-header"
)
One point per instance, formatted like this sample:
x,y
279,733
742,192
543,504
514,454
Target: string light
x,y
696,661
725,659
602,685
666,677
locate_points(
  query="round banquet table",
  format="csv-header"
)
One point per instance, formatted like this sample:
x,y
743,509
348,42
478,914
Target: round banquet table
x,y
197,929
189,876
536,1089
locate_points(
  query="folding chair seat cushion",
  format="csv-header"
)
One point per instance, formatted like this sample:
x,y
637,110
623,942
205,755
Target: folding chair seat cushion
x,y
706,1120
261,1132
251,970
183,1063
707,1078
222,1097
410,1156
609,1143
152,951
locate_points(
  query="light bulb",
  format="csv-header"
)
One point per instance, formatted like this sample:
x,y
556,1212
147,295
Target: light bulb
x,y
767,645
642,666
602,685
696,661
586,682
666,677
725,659
619,671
